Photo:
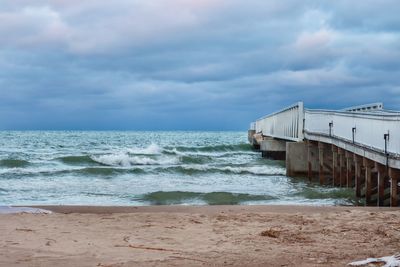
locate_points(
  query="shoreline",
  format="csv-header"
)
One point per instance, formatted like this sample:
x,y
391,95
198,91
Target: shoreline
x,y
203,209
116,236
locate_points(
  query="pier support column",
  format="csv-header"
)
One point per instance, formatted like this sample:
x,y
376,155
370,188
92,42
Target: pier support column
x,y
394,175
368,164
312,159
342,169
296,155
309,163
349,169
321,163
357,164
335,166
382,178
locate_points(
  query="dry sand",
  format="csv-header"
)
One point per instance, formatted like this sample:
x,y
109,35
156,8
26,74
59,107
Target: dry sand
x,y
198,236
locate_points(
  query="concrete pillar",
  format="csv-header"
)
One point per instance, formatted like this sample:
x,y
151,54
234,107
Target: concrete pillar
x,y
381,169
309,161
312,159
335,166
363,180
273,149
349,169
321,163
342,169
296,159
357,164
394,175
368,165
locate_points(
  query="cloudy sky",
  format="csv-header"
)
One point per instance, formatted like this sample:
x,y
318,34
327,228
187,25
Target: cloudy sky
x,y
190,64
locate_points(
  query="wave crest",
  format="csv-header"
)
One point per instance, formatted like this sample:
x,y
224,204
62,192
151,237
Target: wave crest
x,y
325,193
202,169
108,171
77,160
212,198
14,163
126,160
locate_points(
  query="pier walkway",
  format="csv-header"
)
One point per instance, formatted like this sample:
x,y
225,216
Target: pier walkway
x,y
355,147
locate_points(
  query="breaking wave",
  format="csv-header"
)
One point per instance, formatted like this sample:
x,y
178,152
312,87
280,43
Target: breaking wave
x,y
77,160
156,155
325,193
213,198
203,169
126,160
195,159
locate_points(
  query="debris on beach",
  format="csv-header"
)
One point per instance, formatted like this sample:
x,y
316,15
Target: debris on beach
x,y
271,233
390,261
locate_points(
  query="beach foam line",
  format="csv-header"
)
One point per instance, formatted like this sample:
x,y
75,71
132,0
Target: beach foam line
x,y
10,209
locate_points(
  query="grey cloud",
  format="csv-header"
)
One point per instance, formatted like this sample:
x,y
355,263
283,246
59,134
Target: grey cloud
x,y
190,64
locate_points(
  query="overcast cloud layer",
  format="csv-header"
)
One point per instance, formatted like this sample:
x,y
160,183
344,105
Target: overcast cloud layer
x,y
190,64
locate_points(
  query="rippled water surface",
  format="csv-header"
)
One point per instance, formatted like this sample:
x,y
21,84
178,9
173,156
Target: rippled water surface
x,y
147,168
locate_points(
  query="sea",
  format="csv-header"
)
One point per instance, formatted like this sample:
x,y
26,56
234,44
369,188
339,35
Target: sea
x,y
148,168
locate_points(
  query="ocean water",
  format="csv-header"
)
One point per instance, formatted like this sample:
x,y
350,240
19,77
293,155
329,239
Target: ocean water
x,y
147,168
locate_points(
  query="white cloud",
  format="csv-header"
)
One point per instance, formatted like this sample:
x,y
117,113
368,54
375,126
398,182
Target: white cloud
x,y
32,27
100,26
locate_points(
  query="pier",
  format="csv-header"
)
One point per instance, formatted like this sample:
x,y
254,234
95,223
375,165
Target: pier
x,y
357,147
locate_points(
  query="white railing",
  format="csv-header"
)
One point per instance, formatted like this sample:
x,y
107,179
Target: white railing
x,y
365,107
285,124
365,129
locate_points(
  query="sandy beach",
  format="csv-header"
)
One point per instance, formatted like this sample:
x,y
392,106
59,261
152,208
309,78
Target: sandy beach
x,y
198,236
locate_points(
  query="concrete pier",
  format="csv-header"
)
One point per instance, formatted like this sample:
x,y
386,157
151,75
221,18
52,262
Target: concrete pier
x,y
321,146
273,149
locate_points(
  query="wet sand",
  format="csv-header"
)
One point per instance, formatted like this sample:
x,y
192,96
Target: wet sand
x,y
198,236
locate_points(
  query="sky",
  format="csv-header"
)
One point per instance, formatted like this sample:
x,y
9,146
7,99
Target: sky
x,y
190,64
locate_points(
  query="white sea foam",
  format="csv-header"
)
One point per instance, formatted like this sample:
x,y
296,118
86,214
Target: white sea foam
x,y
9,210
125,160
152,149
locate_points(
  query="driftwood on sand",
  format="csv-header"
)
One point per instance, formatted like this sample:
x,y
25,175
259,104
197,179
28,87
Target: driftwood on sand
x,y
390,261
